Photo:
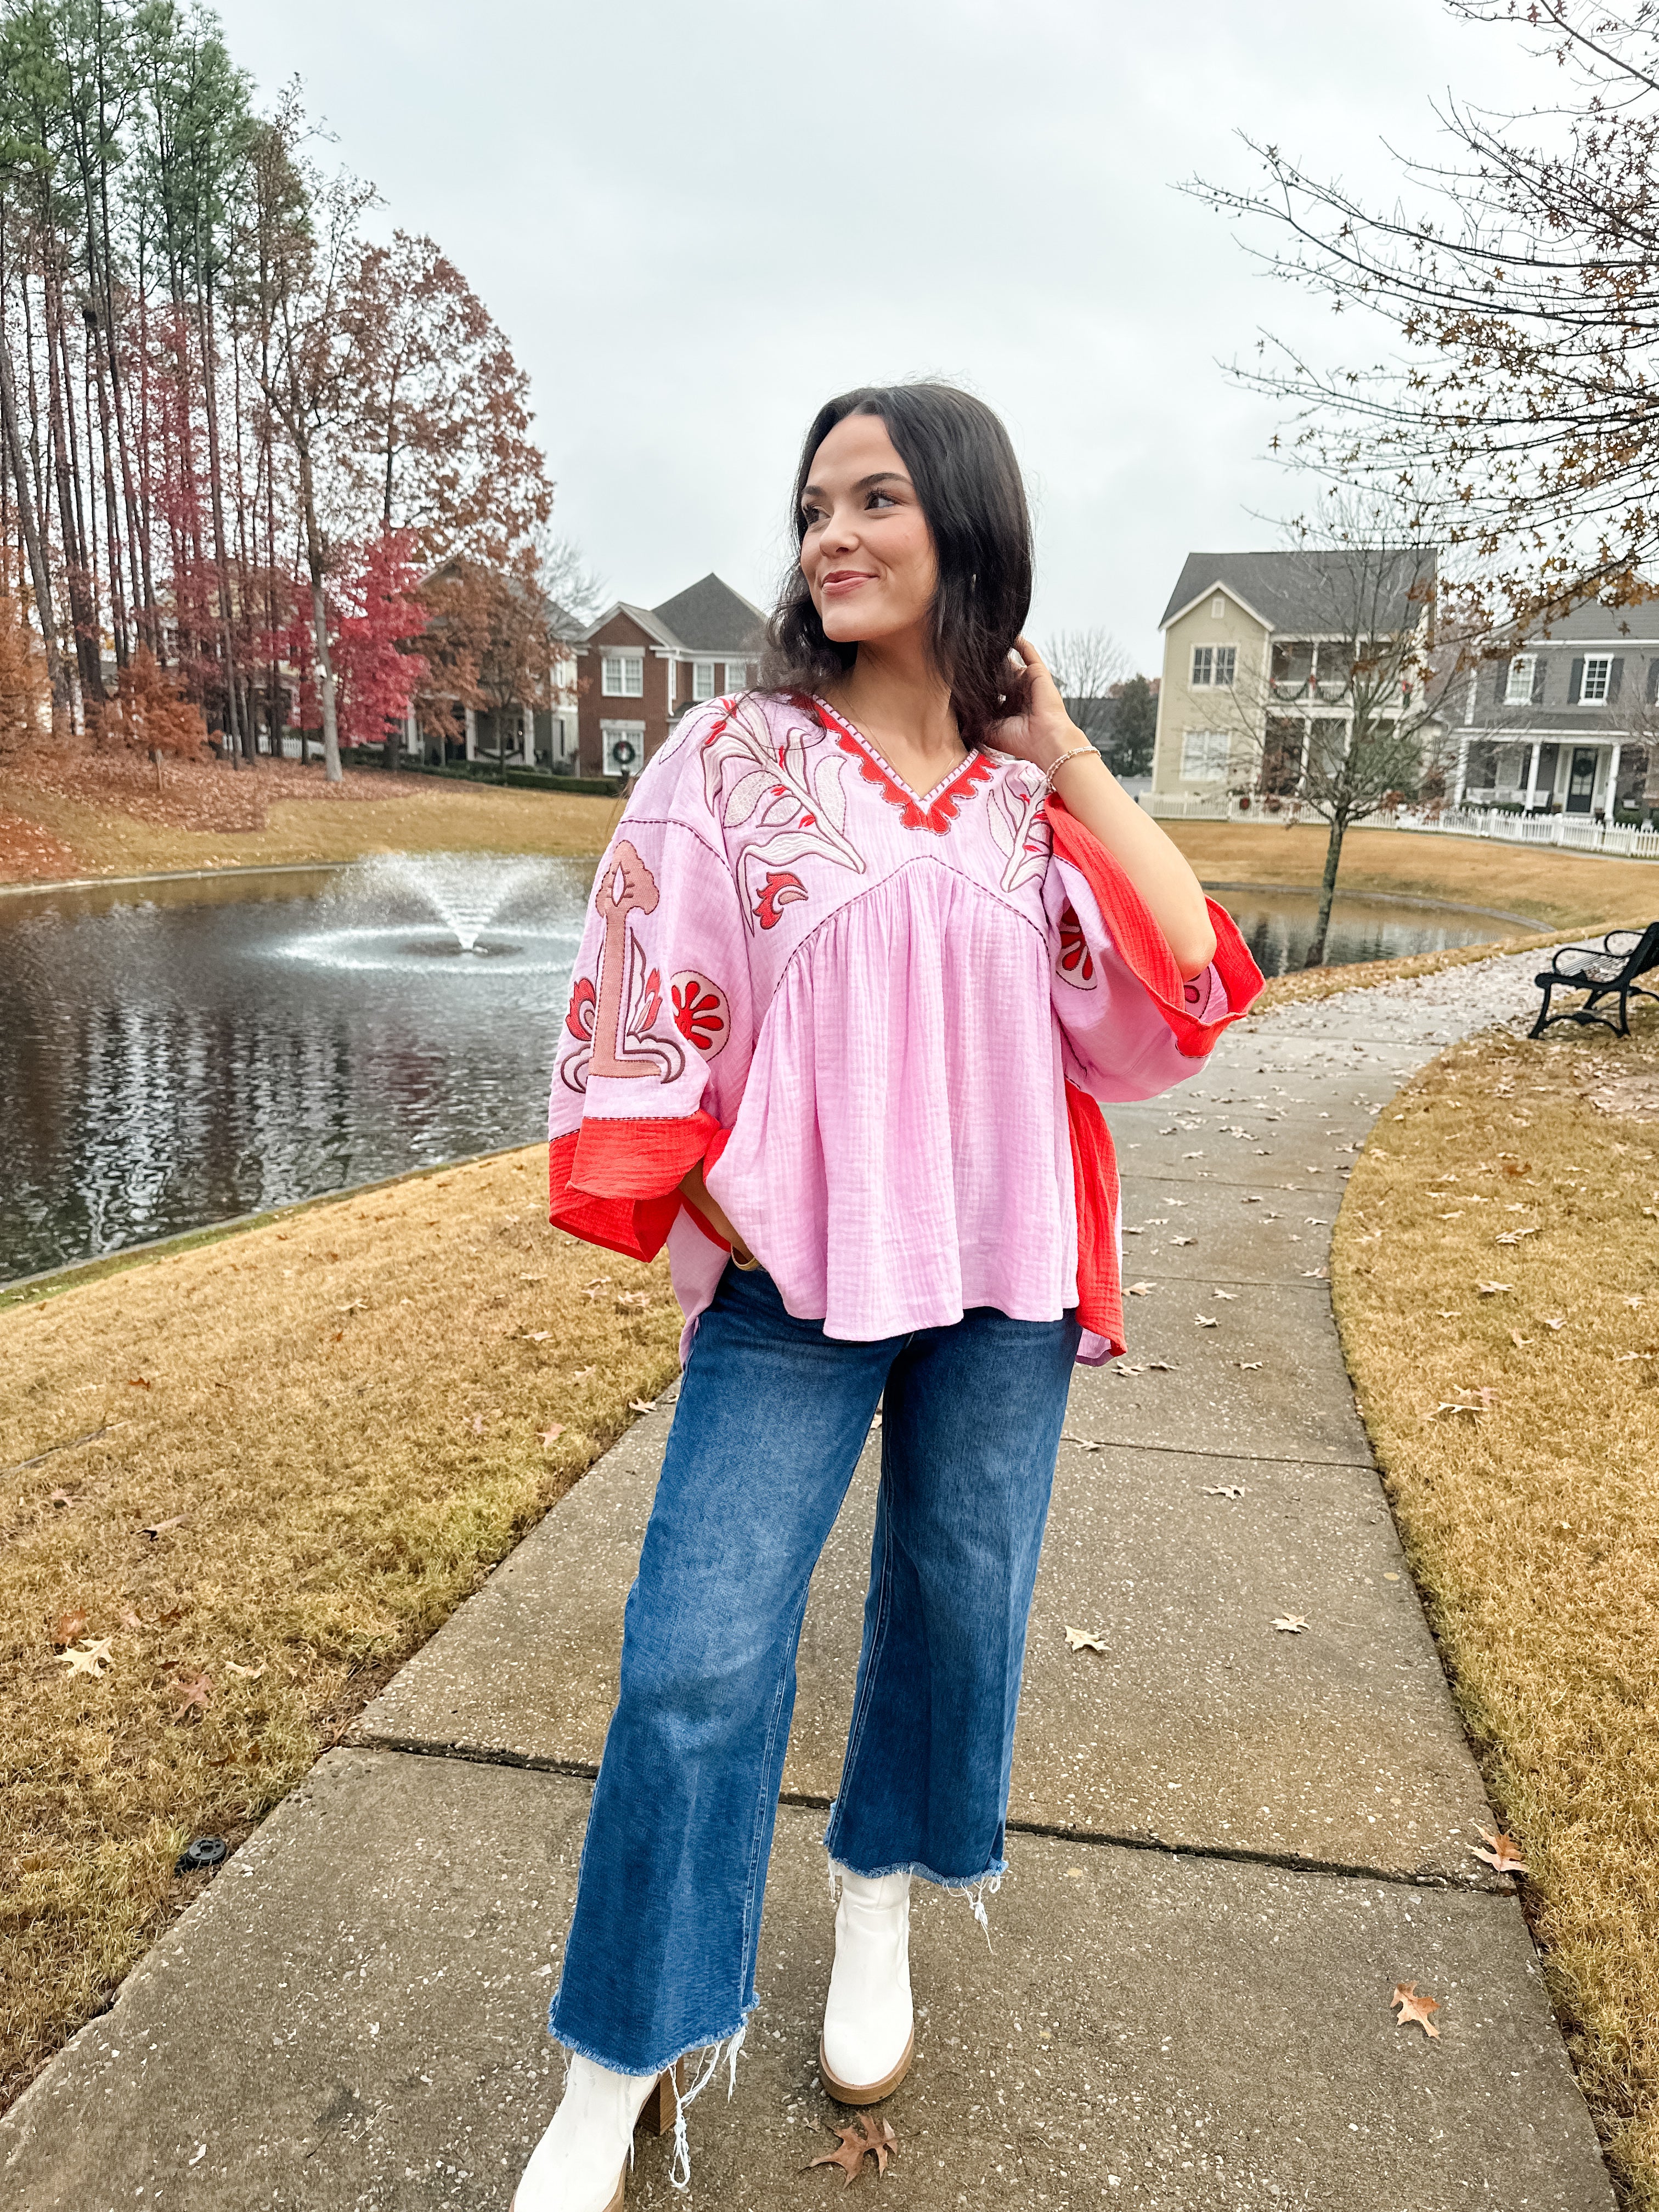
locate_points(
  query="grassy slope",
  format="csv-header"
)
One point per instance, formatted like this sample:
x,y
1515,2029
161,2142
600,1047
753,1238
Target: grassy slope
x,y
1532,1521
1563,891
348,1407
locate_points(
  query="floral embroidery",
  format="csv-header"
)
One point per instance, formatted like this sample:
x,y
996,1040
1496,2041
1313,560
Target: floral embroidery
x,y
783,888
626,1003
796,805
1076,962
1020,825
579,1019
701,1013
1190,992
938,812
650,1005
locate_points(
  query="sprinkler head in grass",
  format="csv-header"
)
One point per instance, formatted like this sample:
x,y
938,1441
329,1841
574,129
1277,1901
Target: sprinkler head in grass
x,y
202,1852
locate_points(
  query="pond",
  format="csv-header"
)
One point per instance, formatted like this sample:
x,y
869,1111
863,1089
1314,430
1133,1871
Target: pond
x,y
213,1048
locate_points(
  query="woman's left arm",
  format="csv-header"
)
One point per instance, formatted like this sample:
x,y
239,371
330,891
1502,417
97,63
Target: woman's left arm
x,y
1153,863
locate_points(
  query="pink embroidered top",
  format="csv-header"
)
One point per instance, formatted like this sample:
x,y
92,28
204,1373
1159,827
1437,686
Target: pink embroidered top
x,y
883,1021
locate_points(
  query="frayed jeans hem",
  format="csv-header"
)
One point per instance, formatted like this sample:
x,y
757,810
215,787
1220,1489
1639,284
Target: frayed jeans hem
x,y
992,1873
652,2066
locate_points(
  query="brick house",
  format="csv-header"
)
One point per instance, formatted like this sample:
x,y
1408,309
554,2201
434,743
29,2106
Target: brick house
x,y
639,668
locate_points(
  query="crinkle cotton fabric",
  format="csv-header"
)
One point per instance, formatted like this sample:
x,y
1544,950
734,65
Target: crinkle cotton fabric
x,y
883,1020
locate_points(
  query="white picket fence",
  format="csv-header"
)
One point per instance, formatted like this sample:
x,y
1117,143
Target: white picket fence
x,y
1576,833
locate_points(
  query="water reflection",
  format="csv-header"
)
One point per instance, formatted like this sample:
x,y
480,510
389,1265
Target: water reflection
x,y
184,1060
220,1046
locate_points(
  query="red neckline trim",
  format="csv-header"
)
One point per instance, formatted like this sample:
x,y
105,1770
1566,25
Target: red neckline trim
x,y
935,810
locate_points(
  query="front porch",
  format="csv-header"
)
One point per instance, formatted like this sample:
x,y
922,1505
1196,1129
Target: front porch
x,y
1604,778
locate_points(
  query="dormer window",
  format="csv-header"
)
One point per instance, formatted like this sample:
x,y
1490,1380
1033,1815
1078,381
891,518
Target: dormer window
x,y
1517,692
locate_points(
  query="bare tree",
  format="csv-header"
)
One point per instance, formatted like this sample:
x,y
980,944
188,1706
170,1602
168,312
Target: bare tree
x,y
1085,665
1348,717
575,589
1514,398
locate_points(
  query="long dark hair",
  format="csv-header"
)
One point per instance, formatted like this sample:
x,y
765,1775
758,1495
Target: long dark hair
x,y
963,466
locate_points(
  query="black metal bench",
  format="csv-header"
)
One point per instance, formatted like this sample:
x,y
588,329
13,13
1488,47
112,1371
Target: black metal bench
x,y
1605,970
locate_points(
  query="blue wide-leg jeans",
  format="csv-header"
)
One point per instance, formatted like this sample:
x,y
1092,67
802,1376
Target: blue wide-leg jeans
x,y
771,1418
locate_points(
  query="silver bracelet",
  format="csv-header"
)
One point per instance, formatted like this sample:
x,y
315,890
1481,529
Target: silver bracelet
x,y
1055,767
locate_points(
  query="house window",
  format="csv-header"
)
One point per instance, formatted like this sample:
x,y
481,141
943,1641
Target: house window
x,y
737,675
1517,692
1598,672
1213,664
1204,755
623,676
1218,607
624,747
703,679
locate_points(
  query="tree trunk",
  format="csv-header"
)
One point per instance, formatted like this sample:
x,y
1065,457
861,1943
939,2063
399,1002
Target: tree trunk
x,y
26,515
221,557
1327,890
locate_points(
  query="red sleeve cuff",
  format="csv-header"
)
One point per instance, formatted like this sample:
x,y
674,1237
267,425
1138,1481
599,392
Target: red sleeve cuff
x,y
1142,944
616,1183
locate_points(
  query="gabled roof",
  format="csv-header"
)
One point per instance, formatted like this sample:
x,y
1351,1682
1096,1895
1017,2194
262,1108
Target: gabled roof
x,y
1310,593
643,616
708,615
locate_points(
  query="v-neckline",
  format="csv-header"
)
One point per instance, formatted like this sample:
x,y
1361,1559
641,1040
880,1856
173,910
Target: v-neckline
x,y
921,798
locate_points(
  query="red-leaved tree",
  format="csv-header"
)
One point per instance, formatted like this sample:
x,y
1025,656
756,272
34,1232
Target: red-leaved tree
x,y
375,613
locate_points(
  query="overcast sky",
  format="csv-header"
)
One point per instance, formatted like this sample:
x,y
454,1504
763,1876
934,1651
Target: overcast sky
x,y
696,223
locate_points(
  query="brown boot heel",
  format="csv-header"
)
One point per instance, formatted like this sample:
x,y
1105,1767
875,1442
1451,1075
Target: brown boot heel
x,y
657,2112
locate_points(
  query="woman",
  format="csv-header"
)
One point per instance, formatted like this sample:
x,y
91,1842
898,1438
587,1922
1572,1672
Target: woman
x,y
865,950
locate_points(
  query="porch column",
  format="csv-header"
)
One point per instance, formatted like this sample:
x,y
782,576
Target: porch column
x,y
471,735
1462,768
412,736
1612,799
1532,773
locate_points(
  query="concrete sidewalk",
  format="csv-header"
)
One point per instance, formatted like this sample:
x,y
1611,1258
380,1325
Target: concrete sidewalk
x,y
1227,1843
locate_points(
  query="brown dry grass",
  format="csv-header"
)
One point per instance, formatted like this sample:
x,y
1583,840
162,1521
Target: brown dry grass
x,y
71,814
1532,1523
346,1407
1563,891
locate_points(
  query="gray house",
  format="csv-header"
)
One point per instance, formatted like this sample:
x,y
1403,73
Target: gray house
x,y
1568,722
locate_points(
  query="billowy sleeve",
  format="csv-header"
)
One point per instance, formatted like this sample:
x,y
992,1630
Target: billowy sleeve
x,y
658,1035
1132,1025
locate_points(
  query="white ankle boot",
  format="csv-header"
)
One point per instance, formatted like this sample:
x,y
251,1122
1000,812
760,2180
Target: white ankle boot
x,y
580,2165
869,2023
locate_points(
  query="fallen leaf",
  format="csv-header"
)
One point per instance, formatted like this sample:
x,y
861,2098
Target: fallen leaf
x,y
550,1436
1160,1367
1074,1874
532,1278
1453,1406
71,1626
1289,1624
1638,1300
1415,2008
1451,1314
1207,1320
248,1673
1559,1320
641,1404
862,2139
1247,1364
1519,1341
130,1619
1227,1294
1491,1290
537,1335
1183,1240
1514,1236
1080,1639
194,1695
1123,1367
1088,1443
357,1305
478,1424
1139,1290
61,1498
153,1529
582,1374
137,1383
90,1659
597,1284
1502,1854
1225,1490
